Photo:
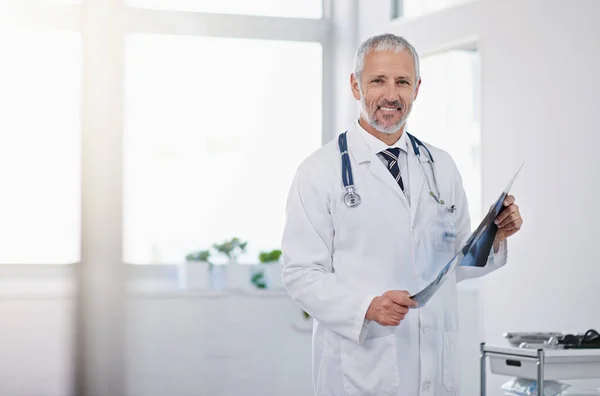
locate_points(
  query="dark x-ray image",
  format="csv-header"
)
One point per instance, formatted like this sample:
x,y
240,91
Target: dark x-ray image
x,y
474,253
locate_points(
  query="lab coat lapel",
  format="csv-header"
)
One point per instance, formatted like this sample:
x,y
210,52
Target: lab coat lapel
x,y
379,170
416,180
361,153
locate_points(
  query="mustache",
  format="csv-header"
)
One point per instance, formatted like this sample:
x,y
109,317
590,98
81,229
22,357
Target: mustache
x,y
396,104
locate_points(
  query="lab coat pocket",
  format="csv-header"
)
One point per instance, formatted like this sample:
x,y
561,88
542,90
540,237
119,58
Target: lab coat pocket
x,y
446,233
451,362
370,368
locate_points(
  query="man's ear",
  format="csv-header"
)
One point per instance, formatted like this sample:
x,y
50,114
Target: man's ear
x,y
417,89
354,86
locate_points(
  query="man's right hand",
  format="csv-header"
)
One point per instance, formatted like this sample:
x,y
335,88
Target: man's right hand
x,y
390,308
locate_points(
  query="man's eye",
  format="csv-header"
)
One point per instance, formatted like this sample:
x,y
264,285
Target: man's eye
x,y
403,82
377,80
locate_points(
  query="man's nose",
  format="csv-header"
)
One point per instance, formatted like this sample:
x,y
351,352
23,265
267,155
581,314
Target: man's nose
x,y
390,92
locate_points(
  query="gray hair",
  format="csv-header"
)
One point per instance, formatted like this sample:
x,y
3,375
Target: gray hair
x,y
383,42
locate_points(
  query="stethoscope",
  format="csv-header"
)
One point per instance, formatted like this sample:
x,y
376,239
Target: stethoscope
x,y
352,198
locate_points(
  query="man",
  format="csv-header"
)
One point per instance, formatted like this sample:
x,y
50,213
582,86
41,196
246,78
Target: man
x,y
353,268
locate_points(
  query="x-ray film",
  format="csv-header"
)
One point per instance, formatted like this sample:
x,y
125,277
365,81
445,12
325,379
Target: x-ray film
x,y
475,251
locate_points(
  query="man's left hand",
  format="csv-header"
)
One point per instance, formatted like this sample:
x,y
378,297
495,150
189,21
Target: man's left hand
x,y
509,221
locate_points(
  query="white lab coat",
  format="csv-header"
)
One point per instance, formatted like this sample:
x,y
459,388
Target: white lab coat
x,y
337,259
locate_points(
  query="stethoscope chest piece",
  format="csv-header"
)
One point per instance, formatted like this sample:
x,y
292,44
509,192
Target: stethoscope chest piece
x,y
351,198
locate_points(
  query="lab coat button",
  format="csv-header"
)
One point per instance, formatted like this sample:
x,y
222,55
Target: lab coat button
x,y
425,387
426,330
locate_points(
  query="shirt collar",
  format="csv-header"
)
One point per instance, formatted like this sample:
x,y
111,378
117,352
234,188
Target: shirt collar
x,y
376,146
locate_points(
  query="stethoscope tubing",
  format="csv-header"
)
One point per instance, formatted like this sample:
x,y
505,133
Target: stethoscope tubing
x,y
352,198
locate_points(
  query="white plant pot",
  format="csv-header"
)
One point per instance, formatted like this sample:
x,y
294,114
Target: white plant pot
x,y
273,275
219,277
238,276
197,275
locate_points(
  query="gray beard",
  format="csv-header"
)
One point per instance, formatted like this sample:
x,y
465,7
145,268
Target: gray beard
x,y
389,130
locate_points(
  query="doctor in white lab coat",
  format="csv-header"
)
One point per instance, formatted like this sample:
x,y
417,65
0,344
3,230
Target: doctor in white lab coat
x,y
353,268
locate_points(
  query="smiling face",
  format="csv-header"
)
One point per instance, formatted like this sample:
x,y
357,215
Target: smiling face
x,y
386,90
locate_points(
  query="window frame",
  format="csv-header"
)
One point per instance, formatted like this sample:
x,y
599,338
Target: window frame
x,y
397,9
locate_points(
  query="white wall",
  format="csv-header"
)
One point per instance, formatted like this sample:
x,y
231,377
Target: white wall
x,y
36,346
218,344
541,93
177,344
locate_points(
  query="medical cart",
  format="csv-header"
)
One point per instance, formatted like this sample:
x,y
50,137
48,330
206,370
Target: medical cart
x,y
539,364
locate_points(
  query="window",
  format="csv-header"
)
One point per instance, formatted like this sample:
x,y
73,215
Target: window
x,y
40,76
214,131
415,8
450,91
213,120
280,8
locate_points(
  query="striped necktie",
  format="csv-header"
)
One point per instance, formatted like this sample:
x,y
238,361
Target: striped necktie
x,y
391,155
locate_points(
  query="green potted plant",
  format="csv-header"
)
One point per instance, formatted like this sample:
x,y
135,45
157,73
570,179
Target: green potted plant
x,y
259,280
272,267
232,248
269,257
198,270
238,276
